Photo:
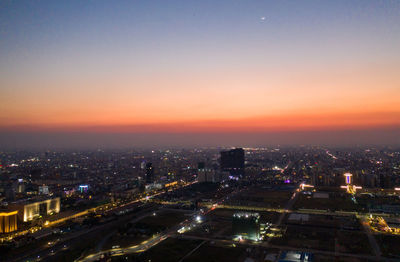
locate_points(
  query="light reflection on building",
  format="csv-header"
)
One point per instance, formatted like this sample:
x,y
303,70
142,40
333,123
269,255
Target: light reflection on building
x,y
8,221
33,210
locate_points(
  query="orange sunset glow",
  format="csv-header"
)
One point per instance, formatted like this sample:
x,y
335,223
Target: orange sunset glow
x,y
236,103
155,71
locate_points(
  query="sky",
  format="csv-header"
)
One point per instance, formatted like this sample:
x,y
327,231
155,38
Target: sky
x,y
199,72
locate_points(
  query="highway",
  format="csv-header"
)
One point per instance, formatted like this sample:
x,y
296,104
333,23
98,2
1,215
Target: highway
x,y
106,207
126,251
145,245
303,211
64,242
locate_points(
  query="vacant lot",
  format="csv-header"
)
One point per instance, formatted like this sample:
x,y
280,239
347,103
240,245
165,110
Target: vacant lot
x,y
335,202
322,239
155,224
326,221
389,245
262,198
353,242
217,254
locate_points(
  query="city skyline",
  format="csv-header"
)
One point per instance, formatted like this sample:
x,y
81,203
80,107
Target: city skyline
x,y
187,130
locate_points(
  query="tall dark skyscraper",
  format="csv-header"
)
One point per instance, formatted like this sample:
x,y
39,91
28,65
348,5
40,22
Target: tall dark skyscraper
x,y
201,165
233,162
201,172
149,173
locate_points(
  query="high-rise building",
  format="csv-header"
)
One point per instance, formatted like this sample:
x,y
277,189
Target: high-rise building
x,y
149,173
201,172
143,165
233,162
207,174
201,165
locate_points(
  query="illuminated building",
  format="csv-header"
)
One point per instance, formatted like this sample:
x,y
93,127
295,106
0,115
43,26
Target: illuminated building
x,y
68,192
153,186
302,186
296,256
83,188
246,225
20,187
348,177
31,210
201,172
43,190
205,174
233,162
350,188
172,184
149,173
8,221
393,224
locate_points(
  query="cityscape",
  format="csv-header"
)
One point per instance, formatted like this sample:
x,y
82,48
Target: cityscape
x,y
199,131
263,204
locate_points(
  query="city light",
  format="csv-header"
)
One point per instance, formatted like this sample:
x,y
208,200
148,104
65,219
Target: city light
x,y
348,178
305,185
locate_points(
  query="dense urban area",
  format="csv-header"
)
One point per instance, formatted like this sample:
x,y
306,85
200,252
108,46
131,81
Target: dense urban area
x,y
232,204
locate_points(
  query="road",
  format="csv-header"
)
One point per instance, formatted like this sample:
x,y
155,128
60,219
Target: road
x,y
152,242
220,204
108,210
145,245
125,251
104,240
303,211
45,251
267,245
288,207
371,238
192,251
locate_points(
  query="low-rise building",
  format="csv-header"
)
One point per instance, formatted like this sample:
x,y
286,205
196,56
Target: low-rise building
x,y
35,208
